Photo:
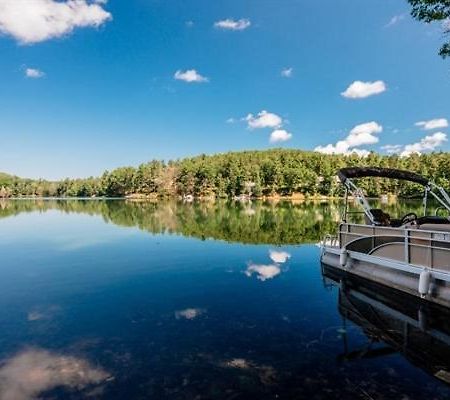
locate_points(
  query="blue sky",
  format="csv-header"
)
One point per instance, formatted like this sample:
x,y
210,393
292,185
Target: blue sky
x,y
97,87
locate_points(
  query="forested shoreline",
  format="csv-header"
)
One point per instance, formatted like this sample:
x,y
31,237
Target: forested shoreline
x,y
278,172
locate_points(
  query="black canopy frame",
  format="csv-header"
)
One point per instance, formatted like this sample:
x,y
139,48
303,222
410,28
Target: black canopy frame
x,y
347,174
363,172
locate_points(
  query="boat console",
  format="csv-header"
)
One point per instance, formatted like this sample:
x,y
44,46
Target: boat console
x,y
380,218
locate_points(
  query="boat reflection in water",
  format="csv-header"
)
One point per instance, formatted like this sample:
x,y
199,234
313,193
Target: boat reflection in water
x,y
393,323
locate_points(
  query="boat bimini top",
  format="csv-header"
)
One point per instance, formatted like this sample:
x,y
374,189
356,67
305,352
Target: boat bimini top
x,y
376,216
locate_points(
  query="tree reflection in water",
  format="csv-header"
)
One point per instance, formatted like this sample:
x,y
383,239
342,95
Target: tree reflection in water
x,y
256,222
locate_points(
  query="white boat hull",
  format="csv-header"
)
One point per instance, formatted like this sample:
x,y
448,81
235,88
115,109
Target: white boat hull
x,y
395,275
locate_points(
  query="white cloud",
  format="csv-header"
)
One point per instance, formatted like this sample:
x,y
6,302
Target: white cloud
x,y
280,135
233,25
279,257
364,134
359,152
263,272
426,144
392,148
34,73
189,313
33,21
360,135
231,120
361,90
189,24
395,20
264,119
339,148
287,72
190,76
437,123
35,371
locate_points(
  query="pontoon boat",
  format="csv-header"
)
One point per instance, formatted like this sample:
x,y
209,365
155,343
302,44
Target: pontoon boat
x,y
410,254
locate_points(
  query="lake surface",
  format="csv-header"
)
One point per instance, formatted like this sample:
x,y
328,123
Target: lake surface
x,y
130,300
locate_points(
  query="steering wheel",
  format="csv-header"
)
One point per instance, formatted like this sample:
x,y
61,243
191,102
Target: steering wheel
x,y
410,217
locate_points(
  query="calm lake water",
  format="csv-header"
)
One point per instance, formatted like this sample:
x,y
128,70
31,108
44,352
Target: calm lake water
x,y
120,300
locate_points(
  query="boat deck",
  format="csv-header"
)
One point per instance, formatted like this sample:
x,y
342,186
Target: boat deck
x,y
413,260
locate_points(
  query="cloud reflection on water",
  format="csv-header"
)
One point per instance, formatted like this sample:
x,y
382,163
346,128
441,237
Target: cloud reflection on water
x,y
265,272
189,313
279,257
35,371
266,374
43,313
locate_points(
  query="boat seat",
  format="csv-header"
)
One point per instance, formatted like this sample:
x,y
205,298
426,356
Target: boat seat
x,y
396,223
435,227
428,219
380,217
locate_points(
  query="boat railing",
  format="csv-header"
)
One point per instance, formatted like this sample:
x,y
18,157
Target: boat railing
x,y
414,247
328,241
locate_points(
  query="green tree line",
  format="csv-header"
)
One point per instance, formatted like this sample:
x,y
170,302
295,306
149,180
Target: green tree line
x,y
278,172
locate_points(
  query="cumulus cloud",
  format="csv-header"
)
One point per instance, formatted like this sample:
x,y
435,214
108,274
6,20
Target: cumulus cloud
x,y
35,371
189,313
33,21
33,73
363,134
361,90
437,123
190,76
263,272
287,72
279,257
264,119
427,144
233,25
359,152
392,148
280,135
